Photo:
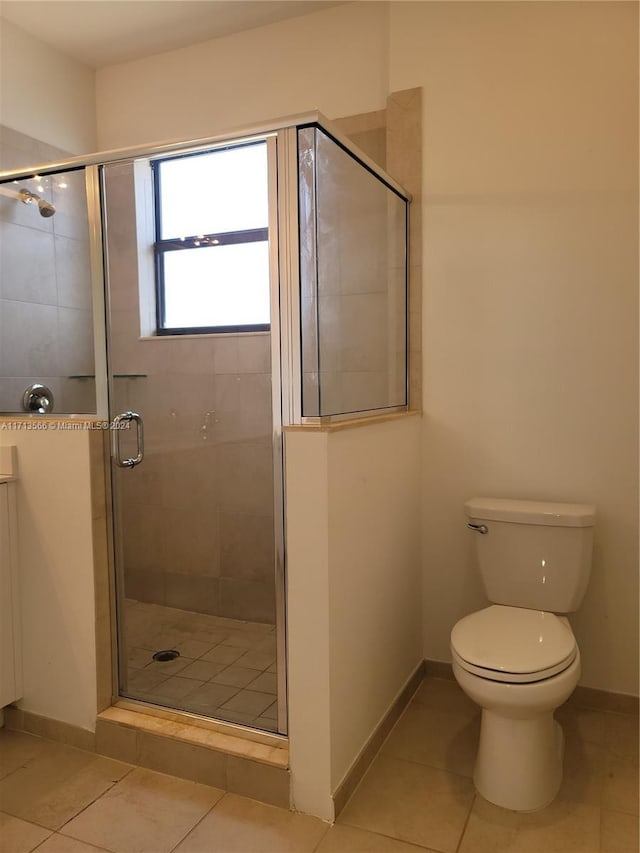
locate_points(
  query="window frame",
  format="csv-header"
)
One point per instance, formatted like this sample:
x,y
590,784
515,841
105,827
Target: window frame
x,y
194,242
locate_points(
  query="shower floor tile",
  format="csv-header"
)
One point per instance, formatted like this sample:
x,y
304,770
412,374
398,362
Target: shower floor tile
x,y
225,669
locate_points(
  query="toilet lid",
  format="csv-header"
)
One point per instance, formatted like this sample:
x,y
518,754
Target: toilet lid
x,y
525,644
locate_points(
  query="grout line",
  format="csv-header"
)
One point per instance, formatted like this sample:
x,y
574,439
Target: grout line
x,y
198,822
466,822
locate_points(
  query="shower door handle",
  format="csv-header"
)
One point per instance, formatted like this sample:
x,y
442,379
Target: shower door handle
x,y
118,424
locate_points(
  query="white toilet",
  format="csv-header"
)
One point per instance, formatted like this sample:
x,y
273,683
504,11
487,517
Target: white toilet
x,y
517,659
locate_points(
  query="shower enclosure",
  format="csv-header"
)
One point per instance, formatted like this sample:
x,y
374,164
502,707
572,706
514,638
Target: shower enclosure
x,y
246,283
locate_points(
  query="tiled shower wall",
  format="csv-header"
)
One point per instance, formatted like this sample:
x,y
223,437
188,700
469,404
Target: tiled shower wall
x,y
46,325
197,515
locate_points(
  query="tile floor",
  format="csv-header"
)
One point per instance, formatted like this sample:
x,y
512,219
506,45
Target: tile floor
x,y
226,668
417,796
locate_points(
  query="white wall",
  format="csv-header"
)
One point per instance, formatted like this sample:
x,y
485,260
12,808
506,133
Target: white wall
x,y
353,598
56,573
530,290
44,93
333,60
307,547
375,639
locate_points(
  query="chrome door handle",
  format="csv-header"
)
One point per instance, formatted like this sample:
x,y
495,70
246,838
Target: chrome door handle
x,y
127,417
479,528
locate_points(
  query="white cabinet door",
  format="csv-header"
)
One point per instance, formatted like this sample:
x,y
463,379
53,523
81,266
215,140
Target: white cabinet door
x,y
7,652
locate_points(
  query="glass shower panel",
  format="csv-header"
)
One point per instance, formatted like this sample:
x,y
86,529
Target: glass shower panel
x,y
46,317
353,278
194,529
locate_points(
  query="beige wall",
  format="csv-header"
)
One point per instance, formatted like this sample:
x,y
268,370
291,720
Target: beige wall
x,y
530,242
530,290
44,93
353,596
333,60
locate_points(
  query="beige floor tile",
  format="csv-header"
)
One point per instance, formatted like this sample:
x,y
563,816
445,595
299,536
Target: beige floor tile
x,y
147,812
581,724
265,683
202,670
176,688
584,770
443,739
167,668
144,679
411,802
138,658
248,702
443,695
193,648
224,654
256,660
16,748
621,735
211,696
560,828
619,832
261,782
18,836
235,676
57,784
620,791
234,717
57,843
271,713
243,640
348,839
239,825
267,646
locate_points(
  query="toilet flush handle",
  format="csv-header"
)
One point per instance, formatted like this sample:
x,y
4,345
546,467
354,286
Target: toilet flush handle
x,y
479,528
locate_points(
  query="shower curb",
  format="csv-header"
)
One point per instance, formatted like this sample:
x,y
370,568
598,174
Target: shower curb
x,y
226,761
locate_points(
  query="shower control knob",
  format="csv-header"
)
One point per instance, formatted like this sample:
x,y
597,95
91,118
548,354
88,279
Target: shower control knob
x,y
38,398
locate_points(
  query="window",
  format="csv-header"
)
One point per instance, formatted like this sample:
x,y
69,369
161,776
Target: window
x,y
211,247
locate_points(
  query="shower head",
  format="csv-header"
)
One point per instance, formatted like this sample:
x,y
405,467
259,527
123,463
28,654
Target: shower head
x,y
27,197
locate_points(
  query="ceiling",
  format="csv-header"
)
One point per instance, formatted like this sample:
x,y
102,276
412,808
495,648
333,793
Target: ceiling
x,y
105,32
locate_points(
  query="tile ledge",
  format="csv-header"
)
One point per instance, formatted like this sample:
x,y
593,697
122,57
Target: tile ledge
x,y
186,732
352,423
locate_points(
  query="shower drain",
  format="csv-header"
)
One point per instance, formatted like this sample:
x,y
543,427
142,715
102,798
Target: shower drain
x,y
166,654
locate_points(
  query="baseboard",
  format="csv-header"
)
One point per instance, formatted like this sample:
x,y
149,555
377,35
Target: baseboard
x,y
26,721
604,700
439,669
369,751
584,697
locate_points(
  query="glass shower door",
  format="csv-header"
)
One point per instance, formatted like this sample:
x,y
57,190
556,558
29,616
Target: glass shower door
x,y
195,475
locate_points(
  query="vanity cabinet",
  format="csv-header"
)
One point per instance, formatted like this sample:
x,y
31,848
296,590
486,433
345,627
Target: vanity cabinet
x,y
10,645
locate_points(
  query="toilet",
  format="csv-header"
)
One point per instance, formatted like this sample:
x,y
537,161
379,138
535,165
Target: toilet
x,y
518,658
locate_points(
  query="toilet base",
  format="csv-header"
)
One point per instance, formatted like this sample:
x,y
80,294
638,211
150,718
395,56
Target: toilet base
x,y
519,763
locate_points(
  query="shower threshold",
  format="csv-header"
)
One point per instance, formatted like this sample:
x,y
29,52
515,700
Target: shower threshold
x,y
214,667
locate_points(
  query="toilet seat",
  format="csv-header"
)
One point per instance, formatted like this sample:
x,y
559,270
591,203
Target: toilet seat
x,y
513,644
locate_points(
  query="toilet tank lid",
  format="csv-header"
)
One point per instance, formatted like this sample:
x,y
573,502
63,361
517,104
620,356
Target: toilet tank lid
x,y
553,514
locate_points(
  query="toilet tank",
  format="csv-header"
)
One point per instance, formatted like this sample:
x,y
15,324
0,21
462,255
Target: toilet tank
x,y
534,554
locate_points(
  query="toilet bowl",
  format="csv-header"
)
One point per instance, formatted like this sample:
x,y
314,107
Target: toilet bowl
x,y
518,665
518,659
